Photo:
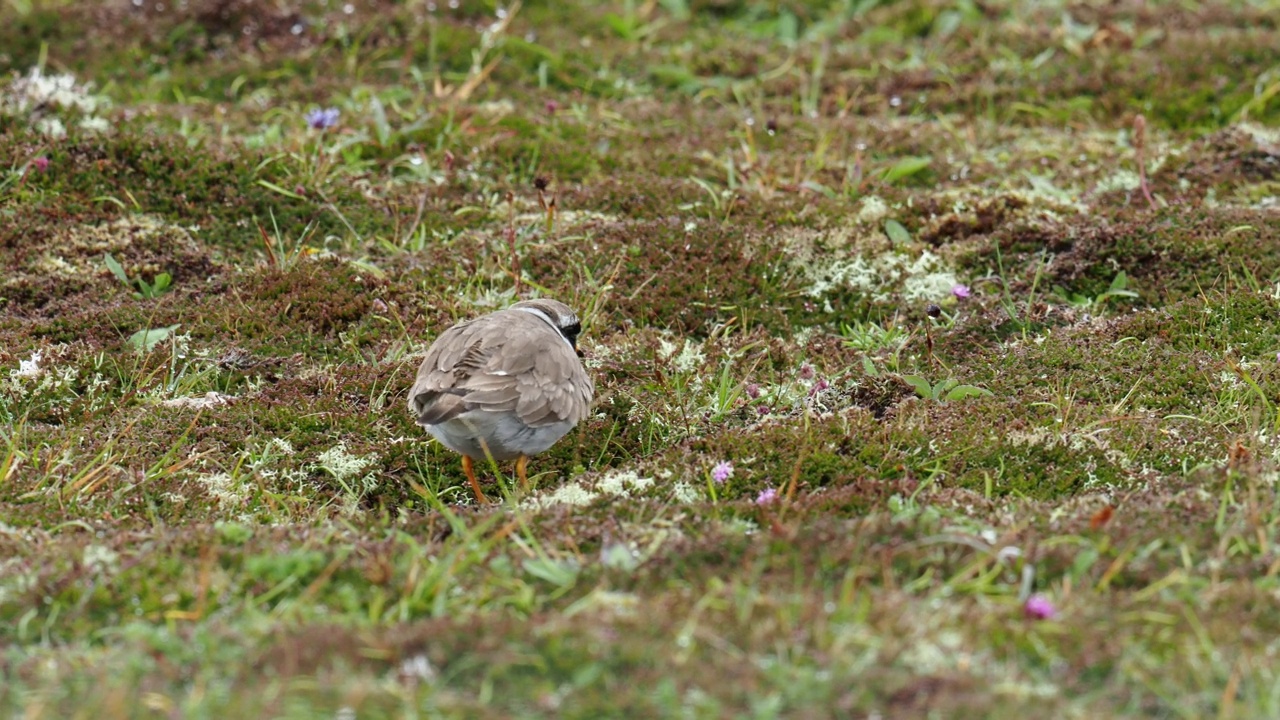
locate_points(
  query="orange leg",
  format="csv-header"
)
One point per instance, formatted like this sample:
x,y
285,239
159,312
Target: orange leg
x,y
471,475
522,472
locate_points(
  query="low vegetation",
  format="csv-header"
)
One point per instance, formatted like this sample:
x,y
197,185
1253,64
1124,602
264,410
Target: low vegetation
x,y
935,347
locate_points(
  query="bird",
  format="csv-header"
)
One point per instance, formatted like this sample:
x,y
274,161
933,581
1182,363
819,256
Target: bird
x,y
504,386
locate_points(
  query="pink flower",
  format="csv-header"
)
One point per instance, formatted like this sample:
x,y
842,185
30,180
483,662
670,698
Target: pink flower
x,y
1039,607
722,471
960,291
768,496
41,163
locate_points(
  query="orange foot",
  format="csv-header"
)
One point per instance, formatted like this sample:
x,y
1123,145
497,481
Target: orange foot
x,y
471,475
522,472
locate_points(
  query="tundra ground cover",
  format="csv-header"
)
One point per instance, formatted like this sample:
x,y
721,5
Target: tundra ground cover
x,y
935,346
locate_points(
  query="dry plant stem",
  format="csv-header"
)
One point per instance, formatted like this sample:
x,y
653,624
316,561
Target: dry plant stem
x,y
857,170
1140,144
422,206
794,481
511,242
266,241
478,74
549,207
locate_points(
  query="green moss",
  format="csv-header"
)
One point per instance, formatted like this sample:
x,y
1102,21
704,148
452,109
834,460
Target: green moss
x,y
218,194
718,277
24,35
202,560
551,149
1168,256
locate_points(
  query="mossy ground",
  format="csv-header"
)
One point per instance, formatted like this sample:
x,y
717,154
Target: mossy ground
x,y
213,504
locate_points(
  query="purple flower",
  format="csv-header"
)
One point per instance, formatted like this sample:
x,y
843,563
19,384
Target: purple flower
x,y
961,292
41,163
806,372
753,390
722,471
322,118
1039,607
767,496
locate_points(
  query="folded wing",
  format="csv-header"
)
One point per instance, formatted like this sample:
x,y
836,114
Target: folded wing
x,y
509,361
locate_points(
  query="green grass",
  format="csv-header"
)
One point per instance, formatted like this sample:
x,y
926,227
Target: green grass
x,y
214,504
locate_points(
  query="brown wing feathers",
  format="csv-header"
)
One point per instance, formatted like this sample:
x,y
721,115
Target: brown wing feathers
x,y
500,362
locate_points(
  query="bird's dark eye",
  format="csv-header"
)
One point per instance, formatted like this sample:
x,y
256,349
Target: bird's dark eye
x,y
570,333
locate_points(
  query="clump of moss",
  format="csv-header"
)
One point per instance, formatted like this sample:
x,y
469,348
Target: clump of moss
x,y
62,270
685,276
1167,255
280,311
216,192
